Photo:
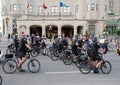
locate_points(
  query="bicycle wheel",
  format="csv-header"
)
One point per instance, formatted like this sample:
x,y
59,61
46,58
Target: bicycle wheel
x,y
106,67
34,66
77,63
84,68
49,54
0,80
9,66
54,56
34,53
67,60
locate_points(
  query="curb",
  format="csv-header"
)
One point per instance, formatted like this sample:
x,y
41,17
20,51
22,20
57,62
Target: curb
x,y
3,47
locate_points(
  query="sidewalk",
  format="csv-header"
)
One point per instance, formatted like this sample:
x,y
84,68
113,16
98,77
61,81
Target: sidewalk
x,y
4,43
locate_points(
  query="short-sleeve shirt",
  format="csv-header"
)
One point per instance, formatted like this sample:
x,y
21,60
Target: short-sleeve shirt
x,y
95,47
23,47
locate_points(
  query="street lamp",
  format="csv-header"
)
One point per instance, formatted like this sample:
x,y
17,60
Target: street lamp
x,y
50,29
7,21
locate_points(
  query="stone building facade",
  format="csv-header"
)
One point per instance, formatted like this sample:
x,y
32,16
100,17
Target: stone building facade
x,y
70,17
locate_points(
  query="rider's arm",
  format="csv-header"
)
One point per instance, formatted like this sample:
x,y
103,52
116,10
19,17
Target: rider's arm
x,y
28,46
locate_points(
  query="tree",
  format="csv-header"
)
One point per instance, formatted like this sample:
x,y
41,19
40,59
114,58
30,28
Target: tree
x,y
118,32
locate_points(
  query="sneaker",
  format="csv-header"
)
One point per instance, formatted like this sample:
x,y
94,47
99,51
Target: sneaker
x,y
96,71
21,70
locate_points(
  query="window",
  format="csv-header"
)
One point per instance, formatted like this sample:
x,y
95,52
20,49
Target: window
x,y
19,7
76,8
111,4
66,9
14,7
31,8
91,29
97,7
105,8
88,7
92,6
54,9
41,9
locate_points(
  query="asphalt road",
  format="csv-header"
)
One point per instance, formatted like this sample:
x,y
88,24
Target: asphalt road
x,y
56,73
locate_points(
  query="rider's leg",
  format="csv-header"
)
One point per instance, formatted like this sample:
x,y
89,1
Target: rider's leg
x,y
73,56
21,62
99,63
22,59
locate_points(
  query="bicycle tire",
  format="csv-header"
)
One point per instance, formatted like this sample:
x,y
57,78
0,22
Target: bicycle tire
x,y
34,53
0,80
49,54
84,68
106,67
77,64
67,60
9,66
46,51
54,57
32,64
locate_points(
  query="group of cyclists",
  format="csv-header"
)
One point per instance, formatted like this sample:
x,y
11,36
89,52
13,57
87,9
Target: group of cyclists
x,y
90,45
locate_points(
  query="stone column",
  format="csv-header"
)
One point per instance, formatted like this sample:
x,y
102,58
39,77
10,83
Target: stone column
x,y
27,29
43,31
59,31
75,31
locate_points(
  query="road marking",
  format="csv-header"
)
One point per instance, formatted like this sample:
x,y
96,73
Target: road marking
x,y
63,72
104,79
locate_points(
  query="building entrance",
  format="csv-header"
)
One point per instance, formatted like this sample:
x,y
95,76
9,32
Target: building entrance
x,y
80,30
36,29
51,31
67,30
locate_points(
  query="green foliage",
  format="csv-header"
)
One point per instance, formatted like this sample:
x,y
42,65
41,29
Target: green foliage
x,y
118,32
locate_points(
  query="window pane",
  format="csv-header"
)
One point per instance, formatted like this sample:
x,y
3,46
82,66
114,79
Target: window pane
x,y
40,9
92,6
14,7
111,4
54,9
19,7
31,9
88,7
105,8
67,9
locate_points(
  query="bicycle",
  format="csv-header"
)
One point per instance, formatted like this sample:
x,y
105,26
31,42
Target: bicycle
x,y
10,64
62,54
10,48
86,66
0,80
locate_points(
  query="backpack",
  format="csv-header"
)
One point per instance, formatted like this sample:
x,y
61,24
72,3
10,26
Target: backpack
x,y
64,42
20,44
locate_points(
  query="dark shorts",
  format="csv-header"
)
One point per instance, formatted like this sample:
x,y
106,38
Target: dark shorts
x,y
94,56
22,54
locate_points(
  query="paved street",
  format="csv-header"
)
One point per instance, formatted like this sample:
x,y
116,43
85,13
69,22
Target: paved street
x,y
56,73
